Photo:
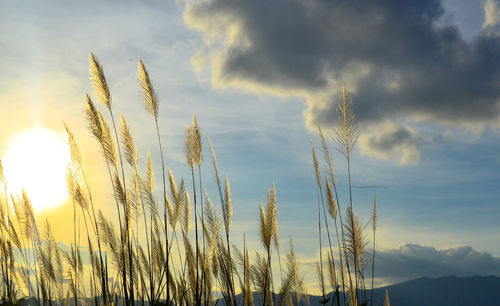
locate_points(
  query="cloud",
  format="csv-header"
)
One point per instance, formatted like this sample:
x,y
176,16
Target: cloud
x,y
410,261
391,141
491,14
397,57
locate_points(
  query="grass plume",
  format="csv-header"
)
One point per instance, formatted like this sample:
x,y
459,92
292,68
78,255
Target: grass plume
x,y
160,258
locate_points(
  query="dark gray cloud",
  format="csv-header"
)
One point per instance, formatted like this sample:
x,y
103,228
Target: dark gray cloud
x,y
412,260
386,142
397,56
391,141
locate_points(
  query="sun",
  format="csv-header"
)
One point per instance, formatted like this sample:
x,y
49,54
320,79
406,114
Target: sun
x,y
36,160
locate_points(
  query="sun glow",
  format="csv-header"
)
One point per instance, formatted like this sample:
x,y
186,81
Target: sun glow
x,y
36,160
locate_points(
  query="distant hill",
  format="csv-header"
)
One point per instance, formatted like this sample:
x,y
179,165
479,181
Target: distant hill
x,y
442,291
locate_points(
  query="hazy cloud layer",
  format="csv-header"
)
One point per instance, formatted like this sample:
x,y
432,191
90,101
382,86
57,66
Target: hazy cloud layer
x,y
412,260
398,57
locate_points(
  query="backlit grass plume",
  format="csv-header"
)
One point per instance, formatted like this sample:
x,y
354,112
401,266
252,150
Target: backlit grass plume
x,y
148,92
347,131
128,143
355,244
99,82
171,245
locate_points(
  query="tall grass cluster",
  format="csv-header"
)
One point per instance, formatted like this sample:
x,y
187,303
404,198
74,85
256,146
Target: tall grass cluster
x,y
171,244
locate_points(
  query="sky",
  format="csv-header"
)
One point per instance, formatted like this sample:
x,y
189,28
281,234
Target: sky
x,y
424,77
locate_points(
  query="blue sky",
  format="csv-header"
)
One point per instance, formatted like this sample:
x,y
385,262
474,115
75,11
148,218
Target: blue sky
x,y
258,81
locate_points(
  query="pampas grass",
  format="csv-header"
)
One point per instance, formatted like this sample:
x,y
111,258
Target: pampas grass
x,y
179,251
99,83
351,238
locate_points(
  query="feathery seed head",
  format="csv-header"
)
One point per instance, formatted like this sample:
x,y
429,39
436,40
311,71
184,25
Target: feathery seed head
x,y
171,213
93,118
119,190
264,228
268,220
173,184
75,151
99,81
107,142
346,129
316,166
150,173
186,217
70,180
356,241
128,143
272,212
28,217
189,148
149,96
178,198
80,197
332,204
292,280
214,162
212,224
176,193
327,156
227,208
197,144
